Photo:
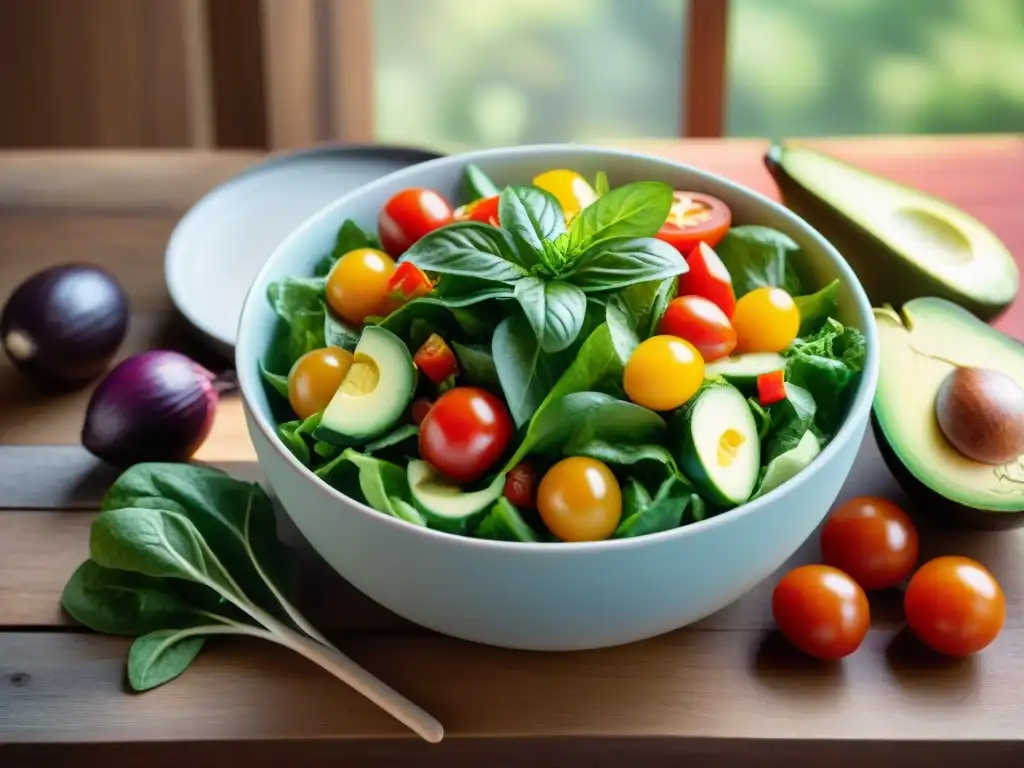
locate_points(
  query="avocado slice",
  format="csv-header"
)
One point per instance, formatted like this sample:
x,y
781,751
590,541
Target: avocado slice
x,y
374,393
901,242
920,346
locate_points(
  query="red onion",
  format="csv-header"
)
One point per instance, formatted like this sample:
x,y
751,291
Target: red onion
x,y
64,324
154,406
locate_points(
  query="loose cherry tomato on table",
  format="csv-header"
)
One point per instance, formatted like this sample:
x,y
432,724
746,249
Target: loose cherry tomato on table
x,y
771,388
663,373
465,433
695,218
701,323
408,216
520,485
315,377
766,320
572,191
709,278
358,284
436,359
484,210
822,611
579,499
954,605
872,540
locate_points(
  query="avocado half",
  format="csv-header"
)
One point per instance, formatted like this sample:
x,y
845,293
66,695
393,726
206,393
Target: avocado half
x,y
901,242
919,347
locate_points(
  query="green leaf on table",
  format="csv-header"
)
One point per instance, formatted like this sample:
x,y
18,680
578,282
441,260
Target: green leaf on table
x,y
468,248
619,263
160,656
555,310
635,210
759,256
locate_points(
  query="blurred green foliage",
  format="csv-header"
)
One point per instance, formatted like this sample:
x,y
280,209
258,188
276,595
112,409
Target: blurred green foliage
x,y
456,74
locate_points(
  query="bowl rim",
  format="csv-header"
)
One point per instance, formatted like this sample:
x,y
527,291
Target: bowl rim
x,y
247,358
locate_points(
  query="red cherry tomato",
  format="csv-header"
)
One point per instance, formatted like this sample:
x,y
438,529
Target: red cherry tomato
x,y
436,359
954,605
709,278
695,218
465,433
871,539
771,388
419,410
484,210
408,216
521,485
701,323
822,611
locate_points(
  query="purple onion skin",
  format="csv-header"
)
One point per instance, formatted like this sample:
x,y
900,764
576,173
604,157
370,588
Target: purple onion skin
x,y
63,325
154,406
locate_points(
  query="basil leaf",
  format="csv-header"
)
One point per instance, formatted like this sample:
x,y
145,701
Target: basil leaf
x,y
664,513
666,291
477,365
630,211
526,374
656,458
442,311
790,420
337,333
601,183
468,248
818,307
620,263
298,301
757,257
532,214
350,237
476,184
555,310
621,326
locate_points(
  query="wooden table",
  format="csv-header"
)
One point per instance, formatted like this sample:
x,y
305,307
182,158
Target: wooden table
x,y
724,691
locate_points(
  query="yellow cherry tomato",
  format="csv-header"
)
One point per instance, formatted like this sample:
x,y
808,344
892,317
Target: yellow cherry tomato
x,y
358,283
579,499
315,377
663,373
766,320
572,191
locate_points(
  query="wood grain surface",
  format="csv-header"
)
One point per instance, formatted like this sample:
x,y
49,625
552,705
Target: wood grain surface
x,y
724,692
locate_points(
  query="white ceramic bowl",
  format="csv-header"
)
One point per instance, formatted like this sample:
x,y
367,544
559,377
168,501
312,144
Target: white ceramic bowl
x,y
551,596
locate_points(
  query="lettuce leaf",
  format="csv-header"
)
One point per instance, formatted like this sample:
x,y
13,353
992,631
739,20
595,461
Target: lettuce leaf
x,y
826,364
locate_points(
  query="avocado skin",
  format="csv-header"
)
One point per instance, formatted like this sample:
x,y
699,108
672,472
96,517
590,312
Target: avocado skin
x,y
934,504
887,278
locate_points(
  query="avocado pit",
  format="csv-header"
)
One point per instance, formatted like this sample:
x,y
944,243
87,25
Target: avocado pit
x,y
981,413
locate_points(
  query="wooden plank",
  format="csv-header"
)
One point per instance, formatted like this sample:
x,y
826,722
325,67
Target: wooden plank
x,y
290,56
742,685
198,73
349,68
236,58
707,32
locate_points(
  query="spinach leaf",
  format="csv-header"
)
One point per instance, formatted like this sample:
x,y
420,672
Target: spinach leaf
x,y
624,455
338,333
468,248
397,436
759,256
277,382
761,418
601,183
790,420
622,325
294,433
299,303
826,364
818,307
618,263
664,513
526,374
444,311
696,510
477,365
641,305
505,523
555,309
597,365
379,481
584,416
476,184
635,498
532,214
786,465
662,298
350,237
325,450
160,656
635,210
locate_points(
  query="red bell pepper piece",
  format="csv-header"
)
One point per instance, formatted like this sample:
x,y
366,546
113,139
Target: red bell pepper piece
x,y
771,387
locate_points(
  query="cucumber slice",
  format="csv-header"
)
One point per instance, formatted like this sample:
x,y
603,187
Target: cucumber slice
x,y
505,523
714,439
444,505
742,370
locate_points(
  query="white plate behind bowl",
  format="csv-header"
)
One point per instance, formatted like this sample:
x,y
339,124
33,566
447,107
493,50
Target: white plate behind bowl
x,y
219,246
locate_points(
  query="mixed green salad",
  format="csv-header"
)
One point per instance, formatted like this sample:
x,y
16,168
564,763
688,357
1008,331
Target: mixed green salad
x,y
558,361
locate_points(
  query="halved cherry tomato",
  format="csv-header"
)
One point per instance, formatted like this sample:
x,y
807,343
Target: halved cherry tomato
x,y
872,540
954,605
484,210
766,320
709,278
436,359
771,388
663,373
419,410
520,485
409,282
579,499
315,377
408,216
822,611
465,433
572,191
701,323
695,218
358,283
